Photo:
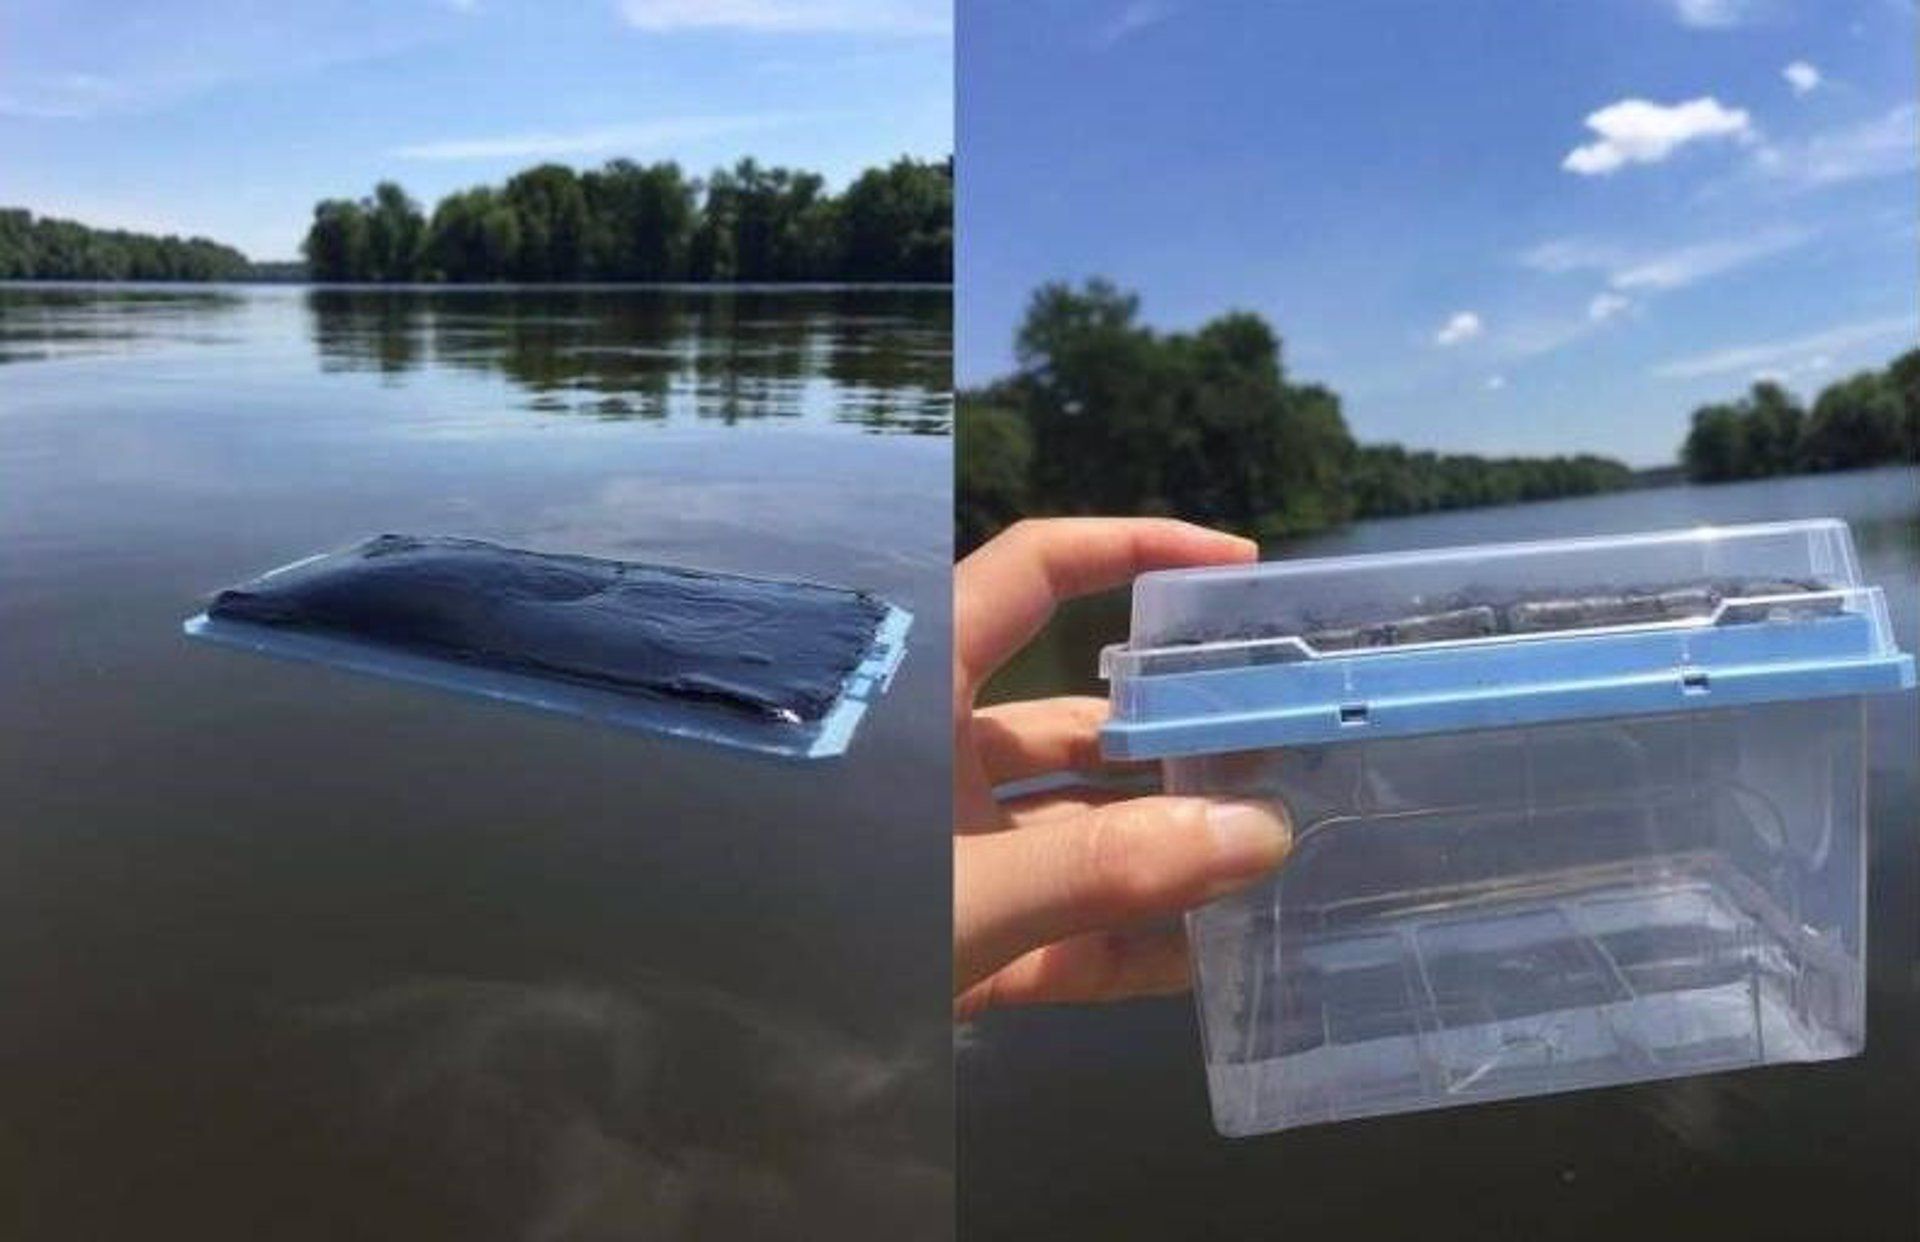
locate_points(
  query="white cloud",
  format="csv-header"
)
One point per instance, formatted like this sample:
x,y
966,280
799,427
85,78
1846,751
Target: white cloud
x,y
631,139
1570,254
1631,277
1884,146
1713,14
1529,338
1801,76
1462,326
1786,373
78,60
1782,355
1496,382
1675,268
1687,265
1637,131
1132,17
1606,305
791,16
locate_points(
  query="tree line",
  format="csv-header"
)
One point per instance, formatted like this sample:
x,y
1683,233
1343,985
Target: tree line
x,y
648,222
1389,481
1104,415
46,248
1867,419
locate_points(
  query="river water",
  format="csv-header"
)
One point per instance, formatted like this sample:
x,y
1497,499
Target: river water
x,y
292,953
1093,1123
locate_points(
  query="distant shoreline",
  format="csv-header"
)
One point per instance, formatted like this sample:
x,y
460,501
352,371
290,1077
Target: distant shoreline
x,y
1105,414
1659,476
622,222
476,286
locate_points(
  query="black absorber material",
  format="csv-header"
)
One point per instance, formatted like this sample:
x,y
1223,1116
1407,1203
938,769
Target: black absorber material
x,y
780,650
1471,613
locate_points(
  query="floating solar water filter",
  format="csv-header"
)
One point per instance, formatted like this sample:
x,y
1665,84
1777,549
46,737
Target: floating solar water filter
x,y
786,668
1564,814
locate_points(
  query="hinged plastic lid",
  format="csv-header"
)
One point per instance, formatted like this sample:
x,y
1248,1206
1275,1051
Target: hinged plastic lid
x,y
1478,637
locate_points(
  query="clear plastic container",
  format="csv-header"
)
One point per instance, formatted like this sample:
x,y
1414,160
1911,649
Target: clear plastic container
x,y
1566,814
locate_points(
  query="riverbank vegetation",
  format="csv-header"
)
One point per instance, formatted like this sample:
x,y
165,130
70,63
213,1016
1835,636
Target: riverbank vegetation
x,y
1870,418
634,222
47,248
1104,415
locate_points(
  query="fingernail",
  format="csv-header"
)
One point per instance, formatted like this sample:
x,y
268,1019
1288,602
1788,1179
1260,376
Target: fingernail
x,y
1249,839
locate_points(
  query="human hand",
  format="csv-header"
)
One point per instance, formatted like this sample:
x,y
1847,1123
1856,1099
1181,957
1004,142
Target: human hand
x,y
1071,896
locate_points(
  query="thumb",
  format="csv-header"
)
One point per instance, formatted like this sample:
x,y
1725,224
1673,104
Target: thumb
x,y
1112,866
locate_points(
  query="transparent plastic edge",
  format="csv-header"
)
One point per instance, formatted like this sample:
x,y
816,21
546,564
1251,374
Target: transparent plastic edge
x,y
1120,660
1521,547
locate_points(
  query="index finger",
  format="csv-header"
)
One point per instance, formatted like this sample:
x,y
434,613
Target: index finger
x,y
1004,593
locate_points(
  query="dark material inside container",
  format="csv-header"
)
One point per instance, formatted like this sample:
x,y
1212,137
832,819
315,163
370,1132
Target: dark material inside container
x,y
780,650
1470,614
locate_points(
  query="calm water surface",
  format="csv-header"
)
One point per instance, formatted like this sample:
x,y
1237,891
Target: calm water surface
x,y
1094,1123
295,954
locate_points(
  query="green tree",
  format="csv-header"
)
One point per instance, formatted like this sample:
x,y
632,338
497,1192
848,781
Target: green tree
x,y
897,223
1858,421
46,248
337,246
474,236
631,222
1774,424
16,244
1204,425
769,224
641,221
1904,371
993,454
714,254
396,233
1715,450
1104,415
1092,388
1864,420
550,209
766,202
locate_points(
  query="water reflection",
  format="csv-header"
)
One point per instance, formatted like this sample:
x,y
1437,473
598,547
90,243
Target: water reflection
x,y
872,359
40,323
325,958
587,1112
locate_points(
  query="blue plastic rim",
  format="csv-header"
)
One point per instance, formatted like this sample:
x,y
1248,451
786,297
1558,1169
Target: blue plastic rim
x,y
1454,688
825,738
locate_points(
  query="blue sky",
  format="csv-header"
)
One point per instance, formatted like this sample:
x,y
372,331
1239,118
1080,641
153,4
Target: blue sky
x,y
231,117
1492,226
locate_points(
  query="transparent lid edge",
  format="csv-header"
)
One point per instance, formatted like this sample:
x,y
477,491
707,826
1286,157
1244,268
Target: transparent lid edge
x,y
1520,547
1122,660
